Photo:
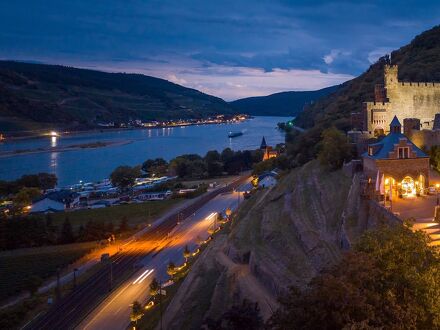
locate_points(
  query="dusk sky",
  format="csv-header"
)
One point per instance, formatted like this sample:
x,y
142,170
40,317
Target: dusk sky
x,y
230,49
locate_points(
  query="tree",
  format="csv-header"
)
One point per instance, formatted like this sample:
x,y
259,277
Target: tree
x,y
66,235
124,177
334,148
434,157
391,280
239,317
32,283
155,167
186,253
171,269
212,156
25,197
136,311
43,181
154,287
123,225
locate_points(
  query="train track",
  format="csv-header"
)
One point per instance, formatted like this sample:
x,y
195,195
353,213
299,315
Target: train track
x,y
70,310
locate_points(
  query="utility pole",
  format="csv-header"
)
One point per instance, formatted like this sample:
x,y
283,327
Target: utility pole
x,y
160,303
74,278
58,284
111,275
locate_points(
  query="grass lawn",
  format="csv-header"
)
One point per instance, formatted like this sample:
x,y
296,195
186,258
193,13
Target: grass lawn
x,y
135,213
17,265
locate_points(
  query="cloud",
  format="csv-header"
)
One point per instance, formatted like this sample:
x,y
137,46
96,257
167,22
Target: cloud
x,y
229,47
375,54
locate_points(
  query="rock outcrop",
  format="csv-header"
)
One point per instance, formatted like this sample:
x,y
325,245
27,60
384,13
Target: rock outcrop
x,y
280,237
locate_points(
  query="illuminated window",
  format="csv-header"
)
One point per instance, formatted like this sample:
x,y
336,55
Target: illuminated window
x,y
403,152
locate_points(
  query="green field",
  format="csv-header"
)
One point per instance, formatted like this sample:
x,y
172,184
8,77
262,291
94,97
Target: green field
x,y
135,213
16,266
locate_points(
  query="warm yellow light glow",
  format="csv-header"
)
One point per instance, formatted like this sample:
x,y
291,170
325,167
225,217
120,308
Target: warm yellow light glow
x,y
387,181
437,185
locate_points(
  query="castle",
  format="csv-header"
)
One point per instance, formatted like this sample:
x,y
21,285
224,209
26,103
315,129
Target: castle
x,y
406,100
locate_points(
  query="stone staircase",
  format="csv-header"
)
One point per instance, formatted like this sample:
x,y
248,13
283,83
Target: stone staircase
x,y
429,227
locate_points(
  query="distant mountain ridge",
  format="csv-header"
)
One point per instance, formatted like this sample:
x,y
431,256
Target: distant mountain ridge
x,y
35,96
280,104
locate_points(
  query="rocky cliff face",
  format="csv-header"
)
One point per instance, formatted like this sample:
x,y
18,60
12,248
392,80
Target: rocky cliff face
x,y
281,237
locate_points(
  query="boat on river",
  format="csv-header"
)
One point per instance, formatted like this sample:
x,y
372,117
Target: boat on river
x,y
234,134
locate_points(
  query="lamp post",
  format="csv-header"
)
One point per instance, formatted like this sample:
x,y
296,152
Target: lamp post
x,y
436,190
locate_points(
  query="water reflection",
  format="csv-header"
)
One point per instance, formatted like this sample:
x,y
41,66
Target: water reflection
x,y
53,141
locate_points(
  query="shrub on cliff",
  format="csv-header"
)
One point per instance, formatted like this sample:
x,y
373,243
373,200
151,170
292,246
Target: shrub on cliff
x,y
333,149
391,280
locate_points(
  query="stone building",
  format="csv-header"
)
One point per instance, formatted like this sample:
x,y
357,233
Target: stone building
x,y
419,100
402,165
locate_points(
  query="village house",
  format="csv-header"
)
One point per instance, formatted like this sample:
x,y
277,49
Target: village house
x,y
55,202
396,164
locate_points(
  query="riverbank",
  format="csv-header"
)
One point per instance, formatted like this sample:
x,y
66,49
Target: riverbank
x,y
92,145
101,129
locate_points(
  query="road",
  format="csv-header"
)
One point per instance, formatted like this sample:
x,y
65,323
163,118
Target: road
x,y
114,312
71,310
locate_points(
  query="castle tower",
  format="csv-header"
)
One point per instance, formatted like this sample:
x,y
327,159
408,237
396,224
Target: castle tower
x,y
390,75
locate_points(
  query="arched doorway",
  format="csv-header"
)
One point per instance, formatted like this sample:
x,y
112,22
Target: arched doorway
x,y
408,187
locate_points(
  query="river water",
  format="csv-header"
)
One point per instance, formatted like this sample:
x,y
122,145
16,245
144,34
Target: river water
x,y
132,148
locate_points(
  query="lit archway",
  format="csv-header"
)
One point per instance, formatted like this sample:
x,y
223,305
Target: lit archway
x,y
408,186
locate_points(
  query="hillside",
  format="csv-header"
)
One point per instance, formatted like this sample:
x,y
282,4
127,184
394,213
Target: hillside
x,y
280,104
35,96
303,217
418,61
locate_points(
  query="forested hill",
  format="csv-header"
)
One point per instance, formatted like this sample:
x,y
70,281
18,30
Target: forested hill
x,y
418,61
280,104
38,95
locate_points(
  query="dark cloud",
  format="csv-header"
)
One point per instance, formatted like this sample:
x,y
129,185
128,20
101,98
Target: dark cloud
x,y
192,39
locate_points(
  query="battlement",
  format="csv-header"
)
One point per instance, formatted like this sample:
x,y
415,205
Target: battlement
x,y
420,84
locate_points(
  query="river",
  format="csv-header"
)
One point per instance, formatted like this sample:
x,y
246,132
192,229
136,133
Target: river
x,y
130,147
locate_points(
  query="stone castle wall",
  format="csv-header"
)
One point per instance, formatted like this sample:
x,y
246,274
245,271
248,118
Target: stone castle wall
x,y
424,139
405,100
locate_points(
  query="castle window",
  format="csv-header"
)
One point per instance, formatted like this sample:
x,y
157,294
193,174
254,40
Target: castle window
x,y
403,152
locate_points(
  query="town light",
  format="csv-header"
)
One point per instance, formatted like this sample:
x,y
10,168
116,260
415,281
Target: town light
x,y
53,134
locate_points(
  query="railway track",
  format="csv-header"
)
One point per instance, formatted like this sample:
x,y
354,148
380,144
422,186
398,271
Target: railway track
x,y
71,309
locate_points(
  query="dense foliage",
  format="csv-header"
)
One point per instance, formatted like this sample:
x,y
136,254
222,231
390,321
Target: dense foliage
x,y
213,164
42,181
334,149
124,176
280,104
390,280
40,230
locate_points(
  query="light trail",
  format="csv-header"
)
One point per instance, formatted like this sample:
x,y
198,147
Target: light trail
x,y
137,280
148,274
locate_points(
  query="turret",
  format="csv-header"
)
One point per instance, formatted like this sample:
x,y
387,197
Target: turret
x,y
390,75
395,126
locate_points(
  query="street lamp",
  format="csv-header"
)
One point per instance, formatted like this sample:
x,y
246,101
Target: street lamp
x,y
436,190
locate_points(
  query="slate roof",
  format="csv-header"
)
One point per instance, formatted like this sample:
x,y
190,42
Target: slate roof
x,y
61,196
387,144
263,143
